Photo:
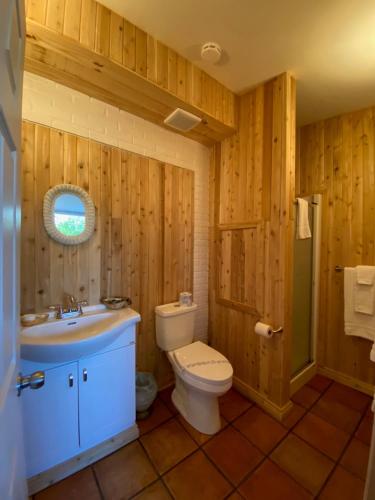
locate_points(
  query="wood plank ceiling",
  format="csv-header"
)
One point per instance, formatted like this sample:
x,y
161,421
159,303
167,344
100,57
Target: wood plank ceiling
x,y
84,45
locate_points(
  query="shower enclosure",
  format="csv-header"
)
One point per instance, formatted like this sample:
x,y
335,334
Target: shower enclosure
x,y
305,293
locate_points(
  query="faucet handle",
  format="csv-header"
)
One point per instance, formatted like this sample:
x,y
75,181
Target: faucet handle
x,y
58,308
81,303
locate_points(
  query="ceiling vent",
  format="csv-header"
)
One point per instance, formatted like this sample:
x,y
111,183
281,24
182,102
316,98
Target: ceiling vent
x,y
182,120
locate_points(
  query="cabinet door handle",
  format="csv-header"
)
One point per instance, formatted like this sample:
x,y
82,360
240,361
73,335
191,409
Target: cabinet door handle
x,y
71,380
84,375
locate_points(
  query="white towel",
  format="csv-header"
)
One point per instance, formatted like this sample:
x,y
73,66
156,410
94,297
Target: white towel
x,y
356,323
303,226
364,290
365,275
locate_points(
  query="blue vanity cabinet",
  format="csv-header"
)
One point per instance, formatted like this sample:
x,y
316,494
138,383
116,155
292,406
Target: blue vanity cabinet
x,y
50,417
106,395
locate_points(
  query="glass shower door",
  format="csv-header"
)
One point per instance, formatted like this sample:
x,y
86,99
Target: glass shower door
x,y
302,301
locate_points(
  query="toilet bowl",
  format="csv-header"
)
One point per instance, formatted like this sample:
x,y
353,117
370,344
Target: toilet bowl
x,y
202,373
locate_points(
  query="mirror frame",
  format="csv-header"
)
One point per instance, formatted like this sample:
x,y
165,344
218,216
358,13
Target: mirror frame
x,y
48,214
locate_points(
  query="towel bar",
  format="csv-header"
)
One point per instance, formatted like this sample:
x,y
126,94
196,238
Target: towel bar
x,y
339,269
310,202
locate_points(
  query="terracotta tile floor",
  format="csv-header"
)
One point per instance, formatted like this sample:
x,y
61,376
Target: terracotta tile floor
x,y
319,451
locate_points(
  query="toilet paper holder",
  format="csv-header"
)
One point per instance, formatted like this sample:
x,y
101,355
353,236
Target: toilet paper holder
x,y
278,330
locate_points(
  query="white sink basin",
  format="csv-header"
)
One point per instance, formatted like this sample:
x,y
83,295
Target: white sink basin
x,y
72,338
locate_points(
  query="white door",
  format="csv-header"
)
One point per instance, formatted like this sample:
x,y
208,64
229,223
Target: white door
x,y
106,395
12,476
51,420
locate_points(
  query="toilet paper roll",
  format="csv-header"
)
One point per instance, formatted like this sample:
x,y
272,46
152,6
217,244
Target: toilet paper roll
x,y
263,330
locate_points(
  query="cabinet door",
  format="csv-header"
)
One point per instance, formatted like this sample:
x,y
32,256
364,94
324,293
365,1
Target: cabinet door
x,y
50,419
106,395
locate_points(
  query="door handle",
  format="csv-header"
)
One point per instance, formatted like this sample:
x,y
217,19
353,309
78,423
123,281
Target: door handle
x,y
84,375
34,381
71,380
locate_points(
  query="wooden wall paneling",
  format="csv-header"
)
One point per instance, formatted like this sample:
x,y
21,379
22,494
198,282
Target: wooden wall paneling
x,y
95,249
106,221
56,250
41,180
96,27
141,52
70,252
37,10
162,65
337,160
126,224
129,45
72,18
76,66
178,233
151,59
126,253
55,15
152,279
116,223
83,252
28,250
172,71
88,20
254,186
238,268
116,41
181,78
103,30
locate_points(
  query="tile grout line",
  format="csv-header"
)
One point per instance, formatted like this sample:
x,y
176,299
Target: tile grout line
x,y
337,463
289,431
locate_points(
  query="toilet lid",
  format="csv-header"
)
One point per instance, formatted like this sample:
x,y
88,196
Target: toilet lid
x,y
203,362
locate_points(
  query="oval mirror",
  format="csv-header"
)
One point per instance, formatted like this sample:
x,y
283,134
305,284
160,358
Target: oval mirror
x,y
69,214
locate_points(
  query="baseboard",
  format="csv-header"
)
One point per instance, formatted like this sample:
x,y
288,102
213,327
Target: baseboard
x,y
347,380
303,377
278,412
60,471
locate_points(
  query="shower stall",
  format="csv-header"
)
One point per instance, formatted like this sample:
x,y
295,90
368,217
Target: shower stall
x,y
305,295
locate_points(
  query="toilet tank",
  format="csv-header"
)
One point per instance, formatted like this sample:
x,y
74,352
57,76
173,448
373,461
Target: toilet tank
x,y
174,325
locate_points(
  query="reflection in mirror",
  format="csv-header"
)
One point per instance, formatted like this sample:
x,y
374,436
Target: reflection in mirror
x,y
69,214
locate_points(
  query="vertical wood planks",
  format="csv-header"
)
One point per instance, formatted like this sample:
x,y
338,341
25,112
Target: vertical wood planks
x,y
55,15
253,190
116,37
88,21
72,19
178,231
125,255
28,250
336,159
109,34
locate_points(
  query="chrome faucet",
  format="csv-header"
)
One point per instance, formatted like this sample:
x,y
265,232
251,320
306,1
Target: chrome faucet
x,y
71,307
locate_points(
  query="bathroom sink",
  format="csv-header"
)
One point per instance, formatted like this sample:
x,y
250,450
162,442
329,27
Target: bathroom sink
x,y
72,338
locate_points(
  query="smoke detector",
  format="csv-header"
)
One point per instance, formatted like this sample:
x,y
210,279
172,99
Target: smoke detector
x,y
211,52
182,120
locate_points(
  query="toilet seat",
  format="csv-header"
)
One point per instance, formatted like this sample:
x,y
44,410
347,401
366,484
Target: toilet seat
x,y
202,363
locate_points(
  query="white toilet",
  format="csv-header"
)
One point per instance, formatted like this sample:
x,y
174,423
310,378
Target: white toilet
x,y
202,374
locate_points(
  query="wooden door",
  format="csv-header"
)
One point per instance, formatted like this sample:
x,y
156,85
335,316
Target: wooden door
x,y
106,395
12,475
